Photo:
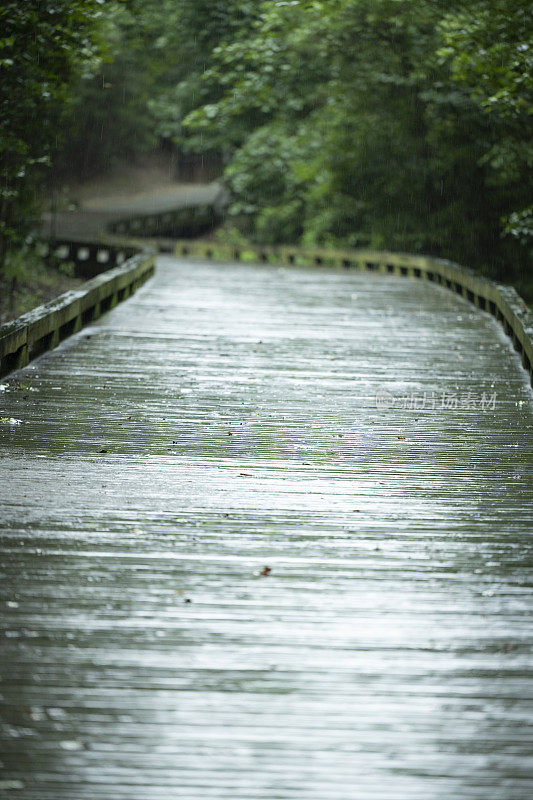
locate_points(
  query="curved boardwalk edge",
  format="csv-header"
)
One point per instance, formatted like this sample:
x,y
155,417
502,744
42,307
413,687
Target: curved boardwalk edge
x,y
45,326
502,301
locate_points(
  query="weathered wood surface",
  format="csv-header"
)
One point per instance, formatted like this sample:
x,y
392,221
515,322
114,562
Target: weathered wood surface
x,y
45,326
501,300
385,656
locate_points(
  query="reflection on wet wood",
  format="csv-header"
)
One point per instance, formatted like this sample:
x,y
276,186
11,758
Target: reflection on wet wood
x,y
262,538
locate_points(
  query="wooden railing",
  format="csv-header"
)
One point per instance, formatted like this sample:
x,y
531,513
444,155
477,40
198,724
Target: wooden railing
x,y
45,326
501,301
89,258
42,328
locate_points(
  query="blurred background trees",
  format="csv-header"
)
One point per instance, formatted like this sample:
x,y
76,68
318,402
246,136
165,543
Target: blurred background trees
x,y
399,124
44,46
389,123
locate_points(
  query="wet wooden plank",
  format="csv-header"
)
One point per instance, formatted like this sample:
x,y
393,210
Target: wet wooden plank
x,y
386,654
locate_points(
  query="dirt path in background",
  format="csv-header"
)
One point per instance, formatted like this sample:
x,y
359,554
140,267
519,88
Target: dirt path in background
x,y
83,211
147,187
151,172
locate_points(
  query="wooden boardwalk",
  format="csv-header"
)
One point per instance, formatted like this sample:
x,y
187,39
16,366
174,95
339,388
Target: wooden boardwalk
x,y
91,220
264,536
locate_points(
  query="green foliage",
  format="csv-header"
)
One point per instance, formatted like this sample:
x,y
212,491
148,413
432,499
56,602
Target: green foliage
x,y
111,117
203,27
489,46
43,47
158,51
393,123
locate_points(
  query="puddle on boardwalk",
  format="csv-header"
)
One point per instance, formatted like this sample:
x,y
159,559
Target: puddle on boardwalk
x,y
366,439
